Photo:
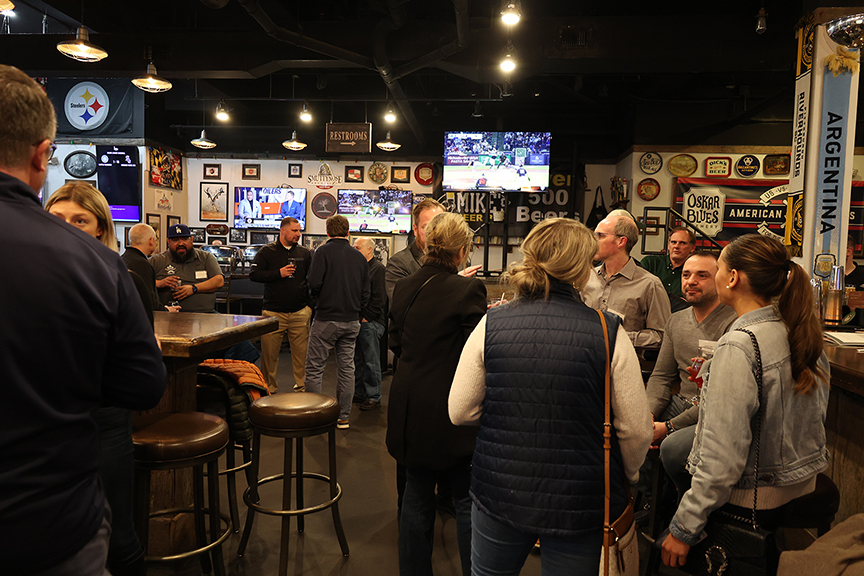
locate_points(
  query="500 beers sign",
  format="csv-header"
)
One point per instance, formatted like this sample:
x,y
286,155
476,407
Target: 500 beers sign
x,y
349,137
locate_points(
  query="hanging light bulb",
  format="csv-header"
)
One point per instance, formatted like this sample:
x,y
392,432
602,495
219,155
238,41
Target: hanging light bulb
x,y
508,62
390,115
150,82
761,22
222,112
81,49
305,115
511,14
203,141
388,145
293,143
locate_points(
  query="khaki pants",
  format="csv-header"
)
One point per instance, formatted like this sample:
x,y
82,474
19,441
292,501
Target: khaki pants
x,y
297,326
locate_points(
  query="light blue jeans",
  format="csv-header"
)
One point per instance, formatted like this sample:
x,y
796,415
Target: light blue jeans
x,y
324,336
367,362
498,549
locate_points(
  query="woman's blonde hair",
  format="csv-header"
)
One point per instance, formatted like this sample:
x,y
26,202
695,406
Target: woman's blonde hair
x,y
446,235
558,248
92,200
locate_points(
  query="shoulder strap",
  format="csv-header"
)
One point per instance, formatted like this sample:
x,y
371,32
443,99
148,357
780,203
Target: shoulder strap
x,y
757,421
413,298
607,445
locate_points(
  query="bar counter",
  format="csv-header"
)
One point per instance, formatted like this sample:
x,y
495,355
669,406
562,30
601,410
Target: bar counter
x,y
844,426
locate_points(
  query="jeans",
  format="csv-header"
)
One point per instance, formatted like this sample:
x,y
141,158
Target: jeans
x,y
116,469
297,326
324,336
673,453
417,519
498,549
367,362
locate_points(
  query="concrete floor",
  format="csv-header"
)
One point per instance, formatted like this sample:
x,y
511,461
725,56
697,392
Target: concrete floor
x,y
367,474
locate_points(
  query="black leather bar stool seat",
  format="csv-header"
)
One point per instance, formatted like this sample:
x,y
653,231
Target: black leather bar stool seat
x,y
169,441
294,416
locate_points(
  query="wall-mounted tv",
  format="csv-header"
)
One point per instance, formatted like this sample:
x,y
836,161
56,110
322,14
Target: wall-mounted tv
x,y
383,211
264,208
119,180
496,160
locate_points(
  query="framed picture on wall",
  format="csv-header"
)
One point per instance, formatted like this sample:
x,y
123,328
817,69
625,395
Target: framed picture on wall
x,y
295,170
313,241
214,202
264,237
173,220
212,171
166,168
251,171
198,235
237,236
354,174
383,246
400,175
155,222
218,240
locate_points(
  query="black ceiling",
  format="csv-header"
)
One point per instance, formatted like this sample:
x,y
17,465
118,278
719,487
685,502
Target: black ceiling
x,y
601,75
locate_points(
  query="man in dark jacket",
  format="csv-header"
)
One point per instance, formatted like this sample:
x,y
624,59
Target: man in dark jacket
x,y
338,280
367,352
282,267
142,244
73,337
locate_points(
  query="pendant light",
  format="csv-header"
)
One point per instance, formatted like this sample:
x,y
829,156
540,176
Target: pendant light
x,y
511,14
508,62
761,21
293,143
150,82
388,145
6,6
305,115
203,142
81,48
390,115
222,112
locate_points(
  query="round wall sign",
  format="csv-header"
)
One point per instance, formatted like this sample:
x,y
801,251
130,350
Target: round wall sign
x,y
323,205
86,106
747,165
651,163
80,164
424,174
378,173
683,165
648,189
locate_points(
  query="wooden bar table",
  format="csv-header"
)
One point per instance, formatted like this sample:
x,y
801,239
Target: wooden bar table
x,y
188,339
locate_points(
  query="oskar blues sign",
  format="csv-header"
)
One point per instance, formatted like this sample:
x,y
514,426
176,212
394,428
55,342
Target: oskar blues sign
x,y
704,208
86,106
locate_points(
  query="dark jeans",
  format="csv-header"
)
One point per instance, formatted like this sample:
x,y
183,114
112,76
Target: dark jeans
x,y
417,521
367,362
116,469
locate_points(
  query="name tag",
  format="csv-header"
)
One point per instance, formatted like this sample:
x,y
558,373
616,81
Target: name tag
x,y
200,274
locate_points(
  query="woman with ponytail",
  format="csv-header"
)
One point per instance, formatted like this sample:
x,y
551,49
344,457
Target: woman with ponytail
x,y
773,300
532,377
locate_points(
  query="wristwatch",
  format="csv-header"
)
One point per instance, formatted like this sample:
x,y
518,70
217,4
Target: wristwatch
x,y
669,428
195,291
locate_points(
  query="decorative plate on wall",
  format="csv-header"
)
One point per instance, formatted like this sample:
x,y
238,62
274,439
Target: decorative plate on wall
x,y
424,174
648,189
683,165
378,173
324,205
651,162
80,164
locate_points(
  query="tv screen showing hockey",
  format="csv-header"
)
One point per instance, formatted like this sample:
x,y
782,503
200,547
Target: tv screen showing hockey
x,y
264,208
383,211
496,160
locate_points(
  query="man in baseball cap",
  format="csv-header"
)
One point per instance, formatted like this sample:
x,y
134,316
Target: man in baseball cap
x,y
185,274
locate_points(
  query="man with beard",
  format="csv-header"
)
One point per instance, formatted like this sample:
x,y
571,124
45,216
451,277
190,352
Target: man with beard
x,y
675,415
668,266
186,274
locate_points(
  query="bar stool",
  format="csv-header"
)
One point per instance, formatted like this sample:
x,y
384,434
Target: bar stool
x,y
293,416
168,441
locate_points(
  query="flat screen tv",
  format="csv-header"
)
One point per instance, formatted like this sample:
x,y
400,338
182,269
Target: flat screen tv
x,y
383,211
496,160
119,180
264,208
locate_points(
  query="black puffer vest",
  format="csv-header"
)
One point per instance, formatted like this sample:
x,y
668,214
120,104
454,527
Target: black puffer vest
x,y
538,460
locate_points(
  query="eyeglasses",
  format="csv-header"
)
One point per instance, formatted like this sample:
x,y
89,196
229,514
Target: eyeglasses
x,y
600,235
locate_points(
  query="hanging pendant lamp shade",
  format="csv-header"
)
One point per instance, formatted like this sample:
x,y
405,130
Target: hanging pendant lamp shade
x,y
6,6
81,49
150,82
203,141
293,143
388,145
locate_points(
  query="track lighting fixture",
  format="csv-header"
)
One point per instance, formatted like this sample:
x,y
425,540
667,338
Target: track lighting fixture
x,y
390,115
511,14
761,22
222,112
305,115
508,62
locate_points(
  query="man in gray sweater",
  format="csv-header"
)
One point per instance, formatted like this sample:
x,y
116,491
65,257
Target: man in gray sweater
x,y
675,415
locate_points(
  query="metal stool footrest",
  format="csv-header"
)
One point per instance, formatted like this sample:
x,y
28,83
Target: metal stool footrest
x,y
197,551
310,510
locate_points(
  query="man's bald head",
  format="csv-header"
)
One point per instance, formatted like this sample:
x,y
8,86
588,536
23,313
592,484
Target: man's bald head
x,y
366,247
143,237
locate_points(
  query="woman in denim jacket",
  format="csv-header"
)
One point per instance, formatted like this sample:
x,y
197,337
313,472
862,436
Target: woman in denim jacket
x,y
772,297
